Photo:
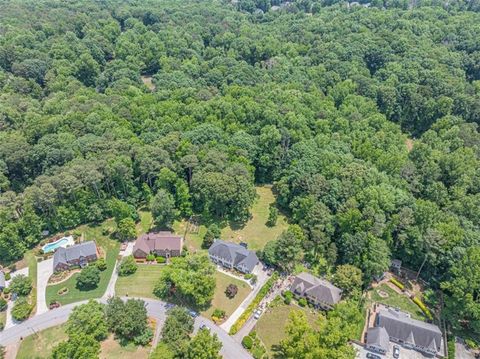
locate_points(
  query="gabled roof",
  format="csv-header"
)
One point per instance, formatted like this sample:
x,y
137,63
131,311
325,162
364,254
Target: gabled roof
x,y
158,241
378,337
401,326
66,255
234,253
322,290
2,279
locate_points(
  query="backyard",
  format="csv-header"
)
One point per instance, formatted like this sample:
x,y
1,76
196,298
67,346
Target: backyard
x,y
109,246
270,327
139,284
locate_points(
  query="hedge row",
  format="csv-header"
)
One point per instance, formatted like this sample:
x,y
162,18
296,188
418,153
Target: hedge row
x,y
423,307
397,283
451,348
256,301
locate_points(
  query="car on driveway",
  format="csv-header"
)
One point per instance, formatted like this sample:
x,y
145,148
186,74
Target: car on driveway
x,y
193,313
396,351
373,356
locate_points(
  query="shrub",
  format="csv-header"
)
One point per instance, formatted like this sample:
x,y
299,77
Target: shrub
x,y
161,260
150,257
88,278
3,304
127,266
397,283
6,291
287,295
101,264
62,291
247,342
302,302
272,216
8,276
451,348
21,310
471,344
231,291
422,306
22,285
218,313
1,348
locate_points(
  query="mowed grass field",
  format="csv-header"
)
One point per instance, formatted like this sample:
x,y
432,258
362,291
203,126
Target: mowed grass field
x,y
396,300
221,301
109,246
141,283
271,325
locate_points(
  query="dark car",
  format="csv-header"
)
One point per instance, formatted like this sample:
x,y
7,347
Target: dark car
x,y
373,356
396,351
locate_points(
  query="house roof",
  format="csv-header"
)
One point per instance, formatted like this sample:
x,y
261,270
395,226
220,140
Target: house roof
x,y
235,253
158,241
378,337
322,290
66,255
396,263
2,279
401,326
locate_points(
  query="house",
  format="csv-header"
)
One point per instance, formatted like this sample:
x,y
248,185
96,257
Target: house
x,y
2,281
76,255
409,332
377,340
396,265
232,255
165,244
319,292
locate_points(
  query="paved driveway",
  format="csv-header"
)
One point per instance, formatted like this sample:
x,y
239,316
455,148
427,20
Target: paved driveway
x,y
44,272
461,352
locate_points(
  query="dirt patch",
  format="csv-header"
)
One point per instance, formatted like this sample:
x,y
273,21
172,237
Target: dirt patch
x,y
147,81
409,144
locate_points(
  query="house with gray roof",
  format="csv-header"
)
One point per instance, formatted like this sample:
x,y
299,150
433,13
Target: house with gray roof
x,y
319,292
2,281
165,244
410,333
77,255
233,256
377,340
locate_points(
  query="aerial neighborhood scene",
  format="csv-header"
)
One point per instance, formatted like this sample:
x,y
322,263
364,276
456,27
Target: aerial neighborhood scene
x,y
237,179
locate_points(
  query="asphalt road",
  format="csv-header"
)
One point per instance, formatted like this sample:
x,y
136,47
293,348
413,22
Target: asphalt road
x,y
155,308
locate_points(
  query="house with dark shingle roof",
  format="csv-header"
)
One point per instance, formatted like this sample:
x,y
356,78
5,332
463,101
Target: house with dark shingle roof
x,y
319,292
77,255
165,244
2,281
410,333
377,340
233,256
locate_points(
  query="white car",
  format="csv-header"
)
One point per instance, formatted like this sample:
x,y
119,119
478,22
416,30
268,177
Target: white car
x,y
257,313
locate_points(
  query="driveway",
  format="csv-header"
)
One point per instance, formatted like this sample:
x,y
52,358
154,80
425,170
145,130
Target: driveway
x,y
44,272
461,351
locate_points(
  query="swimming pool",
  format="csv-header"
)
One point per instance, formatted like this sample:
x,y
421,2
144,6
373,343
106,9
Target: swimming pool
x,y
62,242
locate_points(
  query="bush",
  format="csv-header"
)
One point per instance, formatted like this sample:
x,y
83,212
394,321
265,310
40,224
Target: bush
x,y
21,310
247,342
150,258
397,283
272,216
8,276
6,291
423,307
161,260
302,302
62,291
3,304
1,348
101,264
218,313
88,278
127,266
231,291
471,344
451,348
22,285
287,295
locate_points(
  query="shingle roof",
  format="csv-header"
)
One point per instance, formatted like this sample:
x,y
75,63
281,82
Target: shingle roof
x,y
322,290
66,255
378,336
2,279
235,253
399,325
158,241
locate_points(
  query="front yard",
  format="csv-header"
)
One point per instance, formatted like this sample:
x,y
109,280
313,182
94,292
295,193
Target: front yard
x,y
139,284
386,295
109,246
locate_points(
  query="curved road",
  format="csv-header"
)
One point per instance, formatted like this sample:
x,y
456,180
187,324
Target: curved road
x,y
155,308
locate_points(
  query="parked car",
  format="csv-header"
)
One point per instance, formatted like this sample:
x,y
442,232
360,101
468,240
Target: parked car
x,y
257,313
396,351
193,313
169,306
373,356
203,326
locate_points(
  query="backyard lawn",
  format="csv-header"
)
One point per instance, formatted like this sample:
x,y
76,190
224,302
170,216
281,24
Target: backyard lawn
x,y
111,349
139,284
396,300
109,246
221,301
3,317
271,326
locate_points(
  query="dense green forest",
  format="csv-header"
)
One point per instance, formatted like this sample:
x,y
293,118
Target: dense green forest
x,y
365,119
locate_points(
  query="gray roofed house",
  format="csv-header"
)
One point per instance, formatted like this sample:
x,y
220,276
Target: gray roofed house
x,y
2,281
76,255
411,333
377,340
232,255
317,291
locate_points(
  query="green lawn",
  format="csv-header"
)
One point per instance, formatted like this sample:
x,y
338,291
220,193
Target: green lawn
x,y
32,273
396,300
146,221
109,246
139,284
255,232
3,317
40,345
271,325
111,349
193,240
221,301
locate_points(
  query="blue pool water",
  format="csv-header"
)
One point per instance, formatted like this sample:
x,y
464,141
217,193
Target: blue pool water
x,y
50,247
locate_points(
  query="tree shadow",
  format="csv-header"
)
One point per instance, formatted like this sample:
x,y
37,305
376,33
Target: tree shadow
x,y
277,352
